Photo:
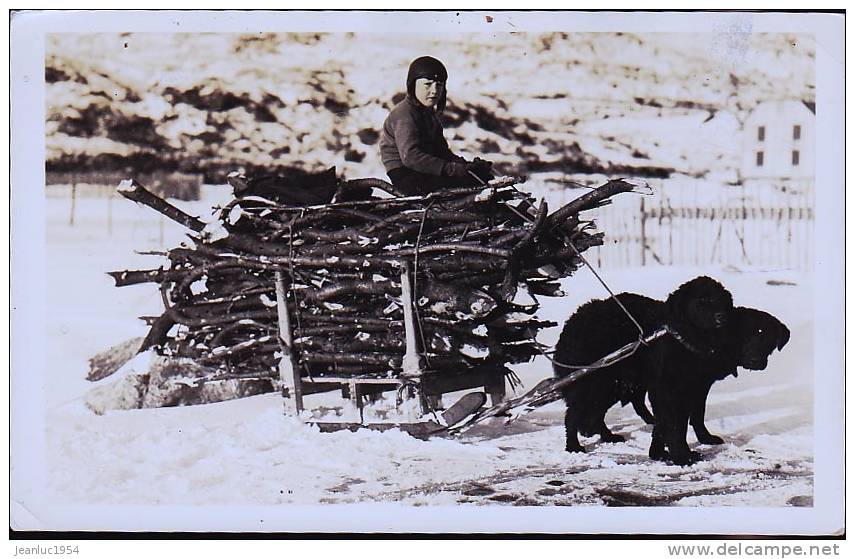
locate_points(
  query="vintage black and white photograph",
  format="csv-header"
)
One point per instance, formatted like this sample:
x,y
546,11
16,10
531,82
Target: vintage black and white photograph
x,y
427,272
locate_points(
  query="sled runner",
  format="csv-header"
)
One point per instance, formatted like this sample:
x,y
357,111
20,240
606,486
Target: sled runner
x,y
462,410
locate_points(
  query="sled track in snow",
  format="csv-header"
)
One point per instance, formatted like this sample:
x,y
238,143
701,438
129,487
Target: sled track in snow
x,y
557,486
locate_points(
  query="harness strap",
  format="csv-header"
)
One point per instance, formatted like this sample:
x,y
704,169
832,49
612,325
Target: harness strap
x,y
611,293
686,343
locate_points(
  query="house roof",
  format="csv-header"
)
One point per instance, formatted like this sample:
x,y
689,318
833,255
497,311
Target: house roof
x,y
763,108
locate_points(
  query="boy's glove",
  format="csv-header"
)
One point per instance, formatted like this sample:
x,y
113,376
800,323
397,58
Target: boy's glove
x,y
457,168
482,168
479,166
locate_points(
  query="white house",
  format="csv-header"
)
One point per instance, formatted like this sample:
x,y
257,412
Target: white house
x,y
778,143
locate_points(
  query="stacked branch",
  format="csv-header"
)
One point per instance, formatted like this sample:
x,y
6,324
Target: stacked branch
x,y
481,259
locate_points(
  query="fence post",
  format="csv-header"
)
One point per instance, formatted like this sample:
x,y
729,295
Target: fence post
x,y
110,211
73,203
643,234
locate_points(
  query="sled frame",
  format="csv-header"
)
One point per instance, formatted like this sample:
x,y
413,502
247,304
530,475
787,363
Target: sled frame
x,y
432,385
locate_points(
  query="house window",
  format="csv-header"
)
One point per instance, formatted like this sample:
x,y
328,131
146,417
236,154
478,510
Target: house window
x,y
761,133
795,157
759,158
797,132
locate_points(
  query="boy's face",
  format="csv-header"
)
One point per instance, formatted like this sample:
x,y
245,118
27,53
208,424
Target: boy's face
x,y
428,91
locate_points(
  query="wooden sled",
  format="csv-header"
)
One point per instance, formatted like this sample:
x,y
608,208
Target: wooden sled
x,y
426,386
464,409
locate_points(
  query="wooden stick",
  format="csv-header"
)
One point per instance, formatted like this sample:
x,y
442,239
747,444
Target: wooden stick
x,y
133,277
411,363
132,190
589,200
289,370
454,247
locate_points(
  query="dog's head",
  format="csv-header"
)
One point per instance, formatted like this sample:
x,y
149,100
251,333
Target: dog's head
x,y
700,308
759,334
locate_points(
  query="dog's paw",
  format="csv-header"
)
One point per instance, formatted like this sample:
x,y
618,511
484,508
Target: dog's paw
x,y
659,455
709,438
612,438
686,459
579,448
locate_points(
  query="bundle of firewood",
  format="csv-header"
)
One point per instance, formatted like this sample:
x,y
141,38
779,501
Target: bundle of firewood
x,y
479,259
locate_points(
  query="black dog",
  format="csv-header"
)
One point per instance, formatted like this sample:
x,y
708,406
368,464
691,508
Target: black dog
x,y
697,315
596,329
756,334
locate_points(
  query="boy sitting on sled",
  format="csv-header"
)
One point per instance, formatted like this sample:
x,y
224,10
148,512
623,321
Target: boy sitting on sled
x,y
412,146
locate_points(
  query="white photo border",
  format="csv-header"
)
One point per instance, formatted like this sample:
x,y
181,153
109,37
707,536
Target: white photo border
x,y
31,508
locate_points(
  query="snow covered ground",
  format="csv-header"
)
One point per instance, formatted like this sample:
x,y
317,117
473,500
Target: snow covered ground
x,y
246,452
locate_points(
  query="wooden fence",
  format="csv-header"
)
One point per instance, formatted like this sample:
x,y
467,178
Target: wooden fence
x,y
180,186
690,226
88,204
